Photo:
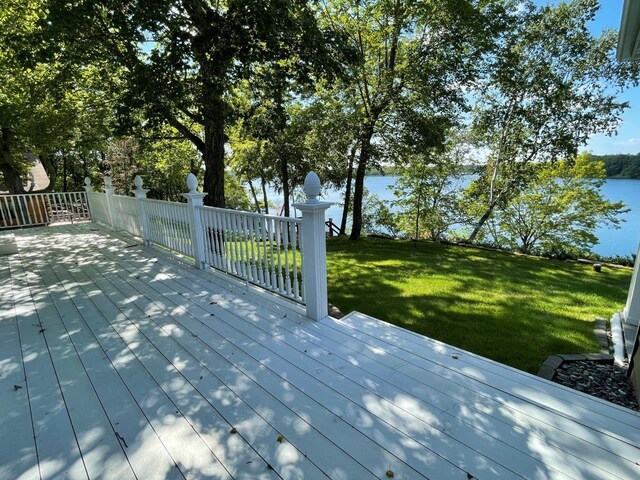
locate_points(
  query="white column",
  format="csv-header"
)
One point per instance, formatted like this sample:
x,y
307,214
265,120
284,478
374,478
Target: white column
x,y
314,249
195,200
109,191
631,312
141,194
88,188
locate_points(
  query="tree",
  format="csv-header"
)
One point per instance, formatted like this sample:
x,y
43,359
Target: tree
x,y
552,86
41,101
428,193
183,59
414,57
560,209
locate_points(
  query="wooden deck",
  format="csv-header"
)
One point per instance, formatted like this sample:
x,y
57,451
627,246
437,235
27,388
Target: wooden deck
x,y
118,361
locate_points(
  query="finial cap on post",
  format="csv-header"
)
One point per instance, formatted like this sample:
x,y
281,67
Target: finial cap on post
x,y
312,187
108,182
87,182
192,183
138,182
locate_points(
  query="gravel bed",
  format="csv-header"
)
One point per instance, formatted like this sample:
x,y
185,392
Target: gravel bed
x,y
601,380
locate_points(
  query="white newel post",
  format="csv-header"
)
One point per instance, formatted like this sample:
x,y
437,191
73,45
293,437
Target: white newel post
x,y
314,249
631,312
109,191
88,188
141,194
195,200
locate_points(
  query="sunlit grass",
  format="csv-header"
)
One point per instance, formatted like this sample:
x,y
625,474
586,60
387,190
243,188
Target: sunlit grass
x,y
513,309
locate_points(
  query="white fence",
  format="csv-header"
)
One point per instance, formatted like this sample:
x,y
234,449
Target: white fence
x,y
43,209
263,250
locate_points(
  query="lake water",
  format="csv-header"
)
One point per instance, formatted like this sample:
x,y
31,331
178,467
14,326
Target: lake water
x,y
622,241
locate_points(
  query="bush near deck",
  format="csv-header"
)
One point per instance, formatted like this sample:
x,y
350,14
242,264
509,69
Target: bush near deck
x,y
511,308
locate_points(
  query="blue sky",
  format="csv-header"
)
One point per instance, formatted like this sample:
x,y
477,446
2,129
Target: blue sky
x,y
628,138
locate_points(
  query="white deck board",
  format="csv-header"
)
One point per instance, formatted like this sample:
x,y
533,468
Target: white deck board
x,y
543,439
317,419
172,358
508,434
56,443
339,383
102,454
17,444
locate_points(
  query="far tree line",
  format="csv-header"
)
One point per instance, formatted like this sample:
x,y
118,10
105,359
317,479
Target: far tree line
x,y
247,94
620,165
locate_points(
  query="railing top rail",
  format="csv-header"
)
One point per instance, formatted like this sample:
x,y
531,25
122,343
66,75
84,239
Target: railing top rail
x,y
37,193
151,200
253,214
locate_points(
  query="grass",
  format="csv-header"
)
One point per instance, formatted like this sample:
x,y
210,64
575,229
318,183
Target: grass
x,y
513,309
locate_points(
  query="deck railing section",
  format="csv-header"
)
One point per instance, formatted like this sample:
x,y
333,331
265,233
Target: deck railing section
x,y
169,225
284,255
99,210
126,215
43,209
261,249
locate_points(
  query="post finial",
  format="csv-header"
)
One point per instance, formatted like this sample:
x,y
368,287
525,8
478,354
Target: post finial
x,y
108,182
137,181
192,183
87,181
312,187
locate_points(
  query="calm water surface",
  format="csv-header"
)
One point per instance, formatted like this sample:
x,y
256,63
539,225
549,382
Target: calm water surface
x,y
622,241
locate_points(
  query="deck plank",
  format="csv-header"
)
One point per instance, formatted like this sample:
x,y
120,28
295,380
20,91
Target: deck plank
x,y
201,415
352,398
102,453
282,455
17,444
301,429
514,436
57,447
547,436
171,442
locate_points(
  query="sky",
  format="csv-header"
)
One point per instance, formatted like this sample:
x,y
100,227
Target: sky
x,y
627,139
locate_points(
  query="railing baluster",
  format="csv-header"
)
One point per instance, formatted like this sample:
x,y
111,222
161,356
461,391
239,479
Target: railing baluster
x,y
285,249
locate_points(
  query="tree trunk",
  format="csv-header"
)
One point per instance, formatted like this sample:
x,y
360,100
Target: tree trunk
x,y
483,219
365,155
64,173
263,183
286,191
347,193
213,158
11,174
50,169
255,197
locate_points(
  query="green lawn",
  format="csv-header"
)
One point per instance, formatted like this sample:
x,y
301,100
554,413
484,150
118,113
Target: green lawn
x,y
514,309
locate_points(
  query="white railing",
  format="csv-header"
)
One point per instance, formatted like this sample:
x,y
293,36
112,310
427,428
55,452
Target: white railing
x,y
169,225
262,249
99,211
43,209
284,255
125,214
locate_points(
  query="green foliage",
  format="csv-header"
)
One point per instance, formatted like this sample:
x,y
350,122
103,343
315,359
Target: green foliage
x,y
427,193
50,108
513,309
620,165
377,217
551,87
561,208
